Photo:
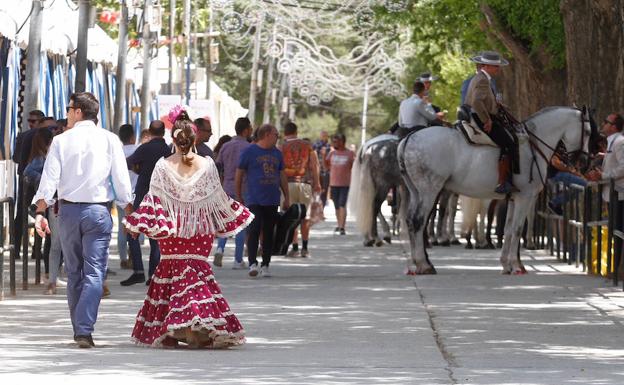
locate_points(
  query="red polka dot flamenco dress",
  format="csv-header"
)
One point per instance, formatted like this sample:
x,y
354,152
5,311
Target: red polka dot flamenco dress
x,y
185,214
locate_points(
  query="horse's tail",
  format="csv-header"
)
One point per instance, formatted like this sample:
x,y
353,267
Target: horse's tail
x,y
470,208
362,193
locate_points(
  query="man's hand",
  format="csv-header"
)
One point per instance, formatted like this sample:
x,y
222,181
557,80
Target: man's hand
x,y
285,204
128,209
41,225
594,175
316,187
487,127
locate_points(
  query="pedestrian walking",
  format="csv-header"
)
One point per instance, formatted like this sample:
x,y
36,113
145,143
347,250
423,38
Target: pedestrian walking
x,y
228,158
128,139
143,161
263,166
87,167
339,161
185,208
302,171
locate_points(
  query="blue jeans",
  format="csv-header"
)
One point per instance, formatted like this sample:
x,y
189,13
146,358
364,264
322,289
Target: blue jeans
x,y
567,179
85,231
137,258
55,247
122,240
239,241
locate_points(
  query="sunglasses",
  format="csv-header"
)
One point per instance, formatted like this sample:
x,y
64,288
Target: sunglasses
x,y
33,120
70,107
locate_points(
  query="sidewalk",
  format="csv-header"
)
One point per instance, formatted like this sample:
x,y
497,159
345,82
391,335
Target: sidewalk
x,y
349,315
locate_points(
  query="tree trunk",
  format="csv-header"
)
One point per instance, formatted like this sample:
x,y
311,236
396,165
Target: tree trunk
x,y
595,53
527,86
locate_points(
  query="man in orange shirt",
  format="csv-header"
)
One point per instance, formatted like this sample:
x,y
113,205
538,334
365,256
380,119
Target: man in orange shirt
x,y
301,167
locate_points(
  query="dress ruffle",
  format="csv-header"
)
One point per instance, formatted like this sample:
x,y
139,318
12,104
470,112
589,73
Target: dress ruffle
x,y
154,220
151,219
183,293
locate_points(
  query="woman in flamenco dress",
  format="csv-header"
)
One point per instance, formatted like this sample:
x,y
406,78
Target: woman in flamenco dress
x,y
185,209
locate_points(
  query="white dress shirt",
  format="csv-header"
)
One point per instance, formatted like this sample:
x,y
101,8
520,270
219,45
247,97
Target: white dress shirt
x,y
613,165
85,164
128,150
413,111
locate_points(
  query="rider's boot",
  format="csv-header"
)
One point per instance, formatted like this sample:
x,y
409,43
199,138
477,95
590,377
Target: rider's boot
x,y
504,169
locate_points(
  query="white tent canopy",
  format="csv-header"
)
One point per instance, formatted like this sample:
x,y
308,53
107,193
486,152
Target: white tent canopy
x,y
59,33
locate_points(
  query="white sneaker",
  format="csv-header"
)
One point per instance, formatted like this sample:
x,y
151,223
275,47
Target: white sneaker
x,y
238,265
293,253
61,283
264,270
253,270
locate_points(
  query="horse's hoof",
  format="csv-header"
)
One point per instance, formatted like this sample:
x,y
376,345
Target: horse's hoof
x,y
369,243
490,246
519,272
455,242
478,247
469,246
379,243
435,243
506,272
388,240
445,243
409,271
499,245
530,247
429,270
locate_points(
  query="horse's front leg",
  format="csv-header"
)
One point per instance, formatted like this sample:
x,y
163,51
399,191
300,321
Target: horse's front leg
x,y
513,228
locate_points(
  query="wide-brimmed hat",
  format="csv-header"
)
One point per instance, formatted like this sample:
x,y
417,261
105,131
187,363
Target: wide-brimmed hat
x,y
427,77
490,58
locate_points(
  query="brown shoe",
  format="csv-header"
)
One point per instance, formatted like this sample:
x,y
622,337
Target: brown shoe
x,y
106,292
126,265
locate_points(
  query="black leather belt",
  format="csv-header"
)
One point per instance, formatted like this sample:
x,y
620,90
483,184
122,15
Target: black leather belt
x,y
66,202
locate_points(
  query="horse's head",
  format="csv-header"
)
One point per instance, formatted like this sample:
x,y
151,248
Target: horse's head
x,y
580,134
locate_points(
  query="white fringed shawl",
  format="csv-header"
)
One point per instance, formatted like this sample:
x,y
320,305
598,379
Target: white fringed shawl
x,y
197,204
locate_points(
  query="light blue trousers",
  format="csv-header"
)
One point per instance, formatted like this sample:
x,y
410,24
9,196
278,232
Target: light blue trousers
x,y
239,241
85,238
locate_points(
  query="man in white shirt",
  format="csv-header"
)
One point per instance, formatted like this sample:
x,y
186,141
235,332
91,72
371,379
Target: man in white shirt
x,y
416,112
87,166
128,139
613,167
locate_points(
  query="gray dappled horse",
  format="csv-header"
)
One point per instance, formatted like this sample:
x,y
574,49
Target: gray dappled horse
x,y
374,173
439,157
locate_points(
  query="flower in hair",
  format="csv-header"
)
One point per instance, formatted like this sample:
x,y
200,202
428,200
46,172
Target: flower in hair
x,y
175,113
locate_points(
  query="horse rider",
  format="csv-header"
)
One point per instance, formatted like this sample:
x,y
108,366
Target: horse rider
x,y
481,97
416,112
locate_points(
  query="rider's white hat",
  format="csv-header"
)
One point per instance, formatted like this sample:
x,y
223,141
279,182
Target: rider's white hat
x,y
492,58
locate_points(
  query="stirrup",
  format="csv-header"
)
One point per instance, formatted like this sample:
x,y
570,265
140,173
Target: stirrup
x,y
506,188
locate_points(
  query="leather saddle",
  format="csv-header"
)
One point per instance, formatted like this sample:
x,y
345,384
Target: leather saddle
x,y
470,128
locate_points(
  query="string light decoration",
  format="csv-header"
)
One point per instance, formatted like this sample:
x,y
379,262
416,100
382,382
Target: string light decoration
x,y
292,31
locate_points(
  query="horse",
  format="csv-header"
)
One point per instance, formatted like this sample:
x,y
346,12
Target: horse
x,y
443,232
373,174
471,208
438,157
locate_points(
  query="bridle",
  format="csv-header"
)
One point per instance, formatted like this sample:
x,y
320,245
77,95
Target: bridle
x,y
585,118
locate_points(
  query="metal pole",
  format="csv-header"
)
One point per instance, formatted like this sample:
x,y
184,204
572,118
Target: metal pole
x,y
82,46
147,61
364,111
120,90
172,11
266,114
254,74
209,44
31,96
187,43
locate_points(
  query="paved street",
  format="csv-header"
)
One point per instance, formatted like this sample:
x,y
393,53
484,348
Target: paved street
x,y
349,315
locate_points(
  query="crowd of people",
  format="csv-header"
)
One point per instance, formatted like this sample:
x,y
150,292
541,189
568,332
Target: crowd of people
x,y
182,196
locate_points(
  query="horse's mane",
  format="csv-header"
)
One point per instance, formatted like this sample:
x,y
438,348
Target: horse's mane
x,y
546,110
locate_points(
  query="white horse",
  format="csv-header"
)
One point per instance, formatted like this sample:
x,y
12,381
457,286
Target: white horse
x,y
438,157
474,215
